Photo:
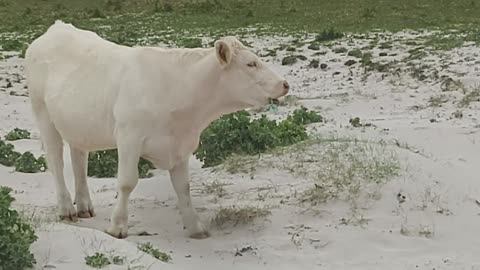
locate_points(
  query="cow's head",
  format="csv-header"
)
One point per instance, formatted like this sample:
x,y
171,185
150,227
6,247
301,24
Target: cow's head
x,y
247,78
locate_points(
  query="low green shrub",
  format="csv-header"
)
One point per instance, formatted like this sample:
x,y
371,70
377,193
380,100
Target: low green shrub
x,y
157,254
27,163
304,117
289,60
16,236
98,260
8,155
236,133
17,134
103,164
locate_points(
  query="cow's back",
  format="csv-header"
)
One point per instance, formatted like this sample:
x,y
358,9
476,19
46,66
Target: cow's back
x,y
73,73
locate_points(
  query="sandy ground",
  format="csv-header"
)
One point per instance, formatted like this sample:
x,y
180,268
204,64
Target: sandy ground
x,y
435,228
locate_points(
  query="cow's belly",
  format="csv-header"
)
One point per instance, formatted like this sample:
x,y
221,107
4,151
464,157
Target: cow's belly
x,y
80,104
167,151
82,121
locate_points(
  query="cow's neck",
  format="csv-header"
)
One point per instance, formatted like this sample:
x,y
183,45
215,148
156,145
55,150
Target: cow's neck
x,y
209,100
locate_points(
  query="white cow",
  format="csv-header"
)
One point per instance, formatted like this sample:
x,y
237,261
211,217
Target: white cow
x,y
145,101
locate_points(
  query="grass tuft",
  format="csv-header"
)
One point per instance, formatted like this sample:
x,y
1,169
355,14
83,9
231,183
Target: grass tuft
x,y
471,96
157,254
345,169
328,35
97,260
17,134
238,215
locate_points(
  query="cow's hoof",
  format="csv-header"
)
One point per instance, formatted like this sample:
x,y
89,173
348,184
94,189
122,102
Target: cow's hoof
x,y
88,213
117,233
68,213
70,218
84,207
197,230
200,235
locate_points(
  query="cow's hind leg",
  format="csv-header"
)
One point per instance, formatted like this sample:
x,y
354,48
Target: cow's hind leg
x,y
180,178
82,194
53,146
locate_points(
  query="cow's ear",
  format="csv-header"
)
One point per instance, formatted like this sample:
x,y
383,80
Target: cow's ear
x,y
224,52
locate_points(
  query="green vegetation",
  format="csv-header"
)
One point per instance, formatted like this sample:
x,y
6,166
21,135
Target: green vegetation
x,y
350,62
98,260
133,22
292,59
246,136
11,44
190,43
100,163
17,134
103,164
26,162
340,50
117,260
445,42
8,155
355,53
314,46
303,116
370,65
314,63
289,60
157,254
328,35
16,235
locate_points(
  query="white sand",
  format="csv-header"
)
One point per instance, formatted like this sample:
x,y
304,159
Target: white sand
x,y
441,182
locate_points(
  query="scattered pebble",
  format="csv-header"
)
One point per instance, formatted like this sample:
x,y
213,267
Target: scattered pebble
x,y
401,198
244,250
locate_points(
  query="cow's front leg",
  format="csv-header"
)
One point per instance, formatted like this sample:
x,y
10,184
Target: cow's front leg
x,y
128,157
180,180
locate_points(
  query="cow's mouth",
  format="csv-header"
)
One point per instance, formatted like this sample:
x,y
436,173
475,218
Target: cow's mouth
x,y
275,101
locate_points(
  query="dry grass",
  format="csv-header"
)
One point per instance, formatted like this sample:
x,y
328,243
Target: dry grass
x,y
470,96
338,168
437,101
241,164
427,231
343,169
234,216
289,100
216,188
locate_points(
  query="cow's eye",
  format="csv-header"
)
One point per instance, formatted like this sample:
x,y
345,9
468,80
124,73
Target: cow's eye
x,y
252,64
